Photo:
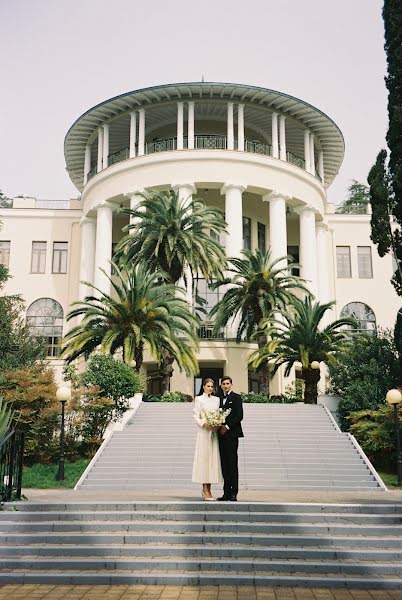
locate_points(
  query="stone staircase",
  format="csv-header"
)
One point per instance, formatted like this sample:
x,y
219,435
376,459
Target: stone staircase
x,y
291,446
309,545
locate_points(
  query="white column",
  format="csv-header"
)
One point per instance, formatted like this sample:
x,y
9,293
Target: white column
x,y
141,132
234,218
190,134
307,251
230,131
180,125
274,136
321,171
278,239
87,257
87,162
185,192
322,262
133,133
100,149
307,150
240,127
105,146
282,137
103,246
312,155
135,197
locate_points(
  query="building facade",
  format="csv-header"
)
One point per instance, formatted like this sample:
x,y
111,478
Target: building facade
x,y
264,158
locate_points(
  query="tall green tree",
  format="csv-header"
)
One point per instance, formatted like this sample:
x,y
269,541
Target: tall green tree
x,y
141,312
298,337
18,348
5,202
357,199
171,234
386,180
257,286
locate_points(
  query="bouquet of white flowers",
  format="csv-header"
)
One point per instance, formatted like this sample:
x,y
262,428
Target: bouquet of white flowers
x,y
215,418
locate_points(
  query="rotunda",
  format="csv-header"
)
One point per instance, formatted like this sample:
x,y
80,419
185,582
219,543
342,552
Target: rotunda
x,y
264,157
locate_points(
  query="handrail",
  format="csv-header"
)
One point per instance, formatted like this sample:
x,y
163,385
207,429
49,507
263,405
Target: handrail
x,y
11,465
367,461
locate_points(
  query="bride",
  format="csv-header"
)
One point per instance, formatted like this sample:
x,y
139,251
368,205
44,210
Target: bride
x,y
207,462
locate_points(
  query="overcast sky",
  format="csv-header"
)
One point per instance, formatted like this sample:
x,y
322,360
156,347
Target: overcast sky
x,y
60,57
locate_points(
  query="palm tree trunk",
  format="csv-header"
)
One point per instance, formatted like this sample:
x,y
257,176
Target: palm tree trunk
x,y
311,378
166,370
139,357
263,370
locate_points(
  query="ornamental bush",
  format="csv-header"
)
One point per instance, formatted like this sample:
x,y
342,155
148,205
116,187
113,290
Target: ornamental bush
x,y
364,373
168,397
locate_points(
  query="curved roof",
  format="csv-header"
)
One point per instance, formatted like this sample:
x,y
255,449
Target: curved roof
x,y
328,133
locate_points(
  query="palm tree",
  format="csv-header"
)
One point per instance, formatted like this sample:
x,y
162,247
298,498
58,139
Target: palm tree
x,y
171,234
258,286
296,337
143,312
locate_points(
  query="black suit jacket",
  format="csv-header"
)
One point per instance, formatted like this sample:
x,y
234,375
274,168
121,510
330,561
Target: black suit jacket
x,y
235,417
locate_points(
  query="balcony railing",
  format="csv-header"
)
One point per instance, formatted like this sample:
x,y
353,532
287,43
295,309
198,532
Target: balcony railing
x,y
201,142
206,332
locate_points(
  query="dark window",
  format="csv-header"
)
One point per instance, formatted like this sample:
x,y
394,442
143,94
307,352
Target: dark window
x,y
261,237
246,233
293,251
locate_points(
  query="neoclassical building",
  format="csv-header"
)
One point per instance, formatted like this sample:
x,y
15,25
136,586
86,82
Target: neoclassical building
x,y
263,157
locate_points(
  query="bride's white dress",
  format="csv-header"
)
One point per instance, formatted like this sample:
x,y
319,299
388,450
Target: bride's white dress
x,y
207,462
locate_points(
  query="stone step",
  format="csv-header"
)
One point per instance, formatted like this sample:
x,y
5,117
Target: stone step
x,y
197,578
183,565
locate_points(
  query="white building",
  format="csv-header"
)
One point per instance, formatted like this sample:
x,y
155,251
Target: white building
x,y
265,158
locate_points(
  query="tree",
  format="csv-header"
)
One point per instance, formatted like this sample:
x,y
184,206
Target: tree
x,y
296,337
142,311
364,372
386,180
4,201
356,201
170,234
258,285
19,348
398,341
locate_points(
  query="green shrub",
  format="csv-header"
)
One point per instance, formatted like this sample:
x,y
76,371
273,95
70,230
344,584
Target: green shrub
x,y
168,397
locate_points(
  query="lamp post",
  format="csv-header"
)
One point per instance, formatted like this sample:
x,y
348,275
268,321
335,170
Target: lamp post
x,y
394,398
63,395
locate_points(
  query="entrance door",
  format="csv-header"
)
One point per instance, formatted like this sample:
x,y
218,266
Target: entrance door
x,y
213,373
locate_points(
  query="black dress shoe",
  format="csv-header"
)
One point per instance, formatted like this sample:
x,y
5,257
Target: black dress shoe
x,y
233,499
223,499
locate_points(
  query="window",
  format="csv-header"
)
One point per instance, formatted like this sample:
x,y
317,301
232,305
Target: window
x,y
246,233
261,237
4,253
60,252
293,251
364,264
204,301
38,260
363,314
343,268
45,320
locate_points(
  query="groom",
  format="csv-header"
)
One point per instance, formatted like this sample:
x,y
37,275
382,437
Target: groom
x,y
229,435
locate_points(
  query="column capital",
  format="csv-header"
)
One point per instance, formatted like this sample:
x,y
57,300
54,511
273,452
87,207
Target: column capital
x,y
141,110
275,195
322,225
191,102
233,186
188,186
230,103
105,205
306,208
86,220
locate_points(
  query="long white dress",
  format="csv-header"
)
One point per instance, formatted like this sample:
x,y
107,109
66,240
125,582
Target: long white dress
x,y
207,462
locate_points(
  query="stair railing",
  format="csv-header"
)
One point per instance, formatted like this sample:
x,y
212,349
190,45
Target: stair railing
x,y
11,464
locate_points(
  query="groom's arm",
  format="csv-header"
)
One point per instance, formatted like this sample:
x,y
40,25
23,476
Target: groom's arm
x,y
236,414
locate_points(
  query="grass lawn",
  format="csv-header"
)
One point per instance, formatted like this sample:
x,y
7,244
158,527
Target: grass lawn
x,y
44,476
390,479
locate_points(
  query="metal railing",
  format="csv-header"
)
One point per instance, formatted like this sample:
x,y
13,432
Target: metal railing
x,y
118,156
11,463
202,142
206,332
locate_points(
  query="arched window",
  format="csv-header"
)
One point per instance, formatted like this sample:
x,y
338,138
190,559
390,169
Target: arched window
x,y
363,314
45,319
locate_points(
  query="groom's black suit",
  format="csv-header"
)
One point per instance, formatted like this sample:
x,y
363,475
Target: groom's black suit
x,y
229,443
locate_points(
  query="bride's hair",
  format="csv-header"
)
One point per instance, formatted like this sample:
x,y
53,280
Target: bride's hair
x,y
206,380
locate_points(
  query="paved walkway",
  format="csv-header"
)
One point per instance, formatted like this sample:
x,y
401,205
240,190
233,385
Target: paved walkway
x,y
188,495
160,592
